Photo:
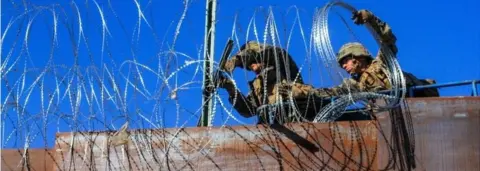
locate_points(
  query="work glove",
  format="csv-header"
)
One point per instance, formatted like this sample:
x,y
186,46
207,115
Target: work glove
x,y
284,89
361,16
231,64
221,81
225,82
297,90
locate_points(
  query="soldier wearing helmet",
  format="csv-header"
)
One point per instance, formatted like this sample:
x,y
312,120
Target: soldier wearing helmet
x,y
368,73
271,65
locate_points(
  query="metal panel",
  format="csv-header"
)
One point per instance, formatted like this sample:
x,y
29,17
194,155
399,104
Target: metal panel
x,y
447,133
38,159
446,138
294,147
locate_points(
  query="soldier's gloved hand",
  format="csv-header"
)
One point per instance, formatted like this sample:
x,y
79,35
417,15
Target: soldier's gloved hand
x,y
225,82
231,64
361,16
296,90
284,89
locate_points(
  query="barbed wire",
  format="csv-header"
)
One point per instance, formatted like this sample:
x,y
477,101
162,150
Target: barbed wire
x,y
117,94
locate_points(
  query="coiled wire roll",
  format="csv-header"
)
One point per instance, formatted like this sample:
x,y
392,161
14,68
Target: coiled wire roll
x,y
401,126
322,46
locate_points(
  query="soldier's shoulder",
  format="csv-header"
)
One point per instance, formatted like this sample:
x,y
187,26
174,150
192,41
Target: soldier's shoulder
x,y
252,46
377,61
376,69
376,65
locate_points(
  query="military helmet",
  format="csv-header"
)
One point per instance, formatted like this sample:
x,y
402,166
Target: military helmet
x,y
252,45
251,52
354,49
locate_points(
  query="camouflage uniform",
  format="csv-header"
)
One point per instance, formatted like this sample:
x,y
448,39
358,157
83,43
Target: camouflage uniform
x,y
375,77
278,66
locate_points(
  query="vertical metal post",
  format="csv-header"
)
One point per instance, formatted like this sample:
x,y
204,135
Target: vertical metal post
x,y
410,91
474,88
208,64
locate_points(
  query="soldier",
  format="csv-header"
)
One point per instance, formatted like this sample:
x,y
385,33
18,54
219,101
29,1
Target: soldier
x,y
368,74
271,65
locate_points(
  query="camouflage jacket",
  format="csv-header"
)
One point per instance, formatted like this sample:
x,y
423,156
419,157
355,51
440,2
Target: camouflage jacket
x,y
375,77
262,87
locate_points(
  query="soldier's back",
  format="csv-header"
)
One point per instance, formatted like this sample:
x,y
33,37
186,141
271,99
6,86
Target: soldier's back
x,y
374,78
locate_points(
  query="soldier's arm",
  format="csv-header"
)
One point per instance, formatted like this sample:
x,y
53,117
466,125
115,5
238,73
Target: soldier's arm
x,y
245,105
303,91
387,38
243,57
348,86
231,64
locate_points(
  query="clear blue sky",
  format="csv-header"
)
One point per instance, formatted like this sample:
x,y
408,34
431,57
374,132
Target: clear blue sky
x,y
436,39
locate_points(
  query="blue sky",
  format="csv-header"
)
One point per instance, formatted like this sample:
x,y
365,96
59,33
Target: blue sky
x,y
436,39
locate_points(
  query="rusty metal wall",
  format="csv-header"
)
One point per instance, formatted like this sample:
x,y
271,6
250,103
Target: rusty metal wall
x,y
39,159
446,138
293,147
447,133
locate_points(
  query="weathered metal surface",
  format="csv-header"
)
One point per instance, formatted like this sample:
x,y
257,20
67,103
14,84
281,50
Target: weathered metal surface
x,y
38,159
446,138
447,133
294,147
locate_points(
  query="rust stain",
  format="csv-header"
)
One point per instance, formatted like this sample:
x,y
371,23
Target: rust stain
x,y
446,138
254,146
39,159
446,133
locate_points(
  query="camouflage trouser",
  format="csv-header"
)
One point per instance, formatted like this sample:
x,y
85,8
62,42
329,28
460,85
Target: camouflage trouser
x,y
300,107
300,110
302,104
278,113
